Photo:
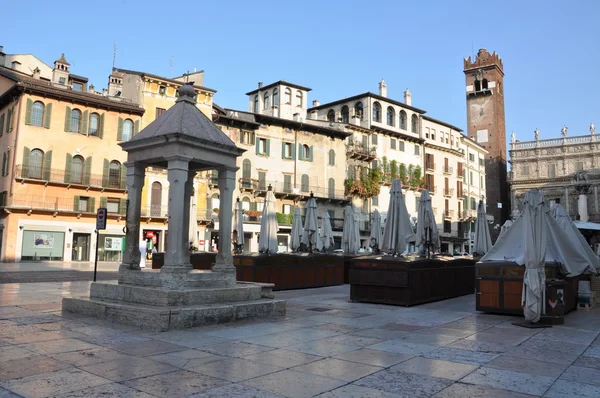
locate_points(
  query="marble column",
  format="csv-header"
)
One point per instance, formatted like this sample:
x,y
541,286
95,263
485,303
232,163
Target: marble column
x,y
224,261
583,208
178,254
596,208
567,200
135,183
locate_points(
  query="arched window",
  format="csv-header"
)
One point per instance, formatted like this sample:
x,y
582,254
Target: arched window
x,y
77,170
114,174
299,98
127,130
331,188
37,114
414,124
484,84
156,199
288,96
345,114
267,101
403,120
391,116
358,110
304,183
246,169
331,116
376,112
331,157
275,97
246,203
75,120
477,85
215,202
94,118
305,152
255,109
36,163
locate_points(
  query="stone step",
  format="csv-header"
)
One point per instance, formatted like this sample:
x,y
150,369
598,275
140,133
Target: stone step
x,y
190,296
186,278
161,319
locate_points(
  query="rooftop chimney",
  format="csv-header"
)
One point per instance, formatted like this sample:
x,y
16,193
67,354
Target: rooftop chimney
x,y
316,103
407,97
36,73
91,88
260,84
382,88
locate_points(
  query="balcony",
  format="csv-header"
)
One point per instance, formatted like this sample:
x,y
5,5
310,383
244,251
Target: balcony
x,y
57,176
359,152
459,173
154,212
285,190
465,193
448,192
429,167
248,184
213,179
206,215
448,214
431,189
448,170
56,205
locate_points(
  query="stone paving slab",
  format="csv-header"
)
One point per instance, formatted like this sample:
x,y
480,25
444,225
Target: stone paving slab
x,y
444,349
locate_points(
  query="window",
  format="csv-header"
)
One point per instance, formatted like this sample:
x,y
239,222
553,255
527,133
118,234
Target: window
x,y
525,170
299,98
127,130
247,138
472,157
262,146
477,85
331,188
331,157
358,110
94,123
305,152
414,124
62,81
287,150
579,166
288,96
82,204
76,87
447,226
287,183
75,120
159,111
304,183
401,146
471,177
376,112
246,203
393,143
374,139
114,175
36,161
375,200
403,120
162,90
267,101
473,204
246,169
391,116
417,150
286,209
345,114
37,114
156,199
484,84
551,170
255,109
262,181
331,116
275,97
481,182
77,170
481,162
112,205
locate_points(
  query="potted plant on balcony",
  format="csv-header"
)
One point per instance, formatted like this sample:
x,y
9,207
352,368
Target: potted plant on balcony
x,y
254,215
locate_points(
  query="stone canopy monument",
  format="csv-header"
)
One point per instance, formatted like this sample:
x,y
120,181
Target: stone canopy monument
x,y
184,141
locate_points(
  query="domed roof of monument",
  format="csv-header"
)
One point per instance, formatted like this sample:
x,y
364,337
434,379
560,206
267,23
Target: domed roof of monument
x,y
185,119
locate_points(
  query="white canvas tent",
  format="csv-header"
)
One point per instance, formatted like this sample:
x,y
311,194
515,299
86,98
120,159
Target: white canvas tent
x,y
483,241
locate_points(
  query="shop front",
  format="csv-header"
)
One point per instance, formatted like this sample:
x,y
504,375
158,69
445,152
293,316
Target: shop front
x,y
111,247
153,241
42,245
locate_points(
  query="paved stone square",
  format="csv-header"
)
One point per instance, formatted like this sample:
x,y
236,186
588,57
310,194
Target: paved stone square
x,y
326,346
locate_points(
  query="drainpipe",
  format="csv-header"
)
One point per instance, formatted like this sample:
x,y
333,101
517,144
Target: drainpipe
x,y
15,142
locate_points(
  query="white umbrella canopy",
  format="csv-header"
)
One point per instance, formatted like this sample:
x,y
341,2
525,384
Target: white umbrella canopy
x,y
239,225
193,230
268,225
398,230
483,241
310,236
350,235
296,230
507,224
427,230
375,237
327,231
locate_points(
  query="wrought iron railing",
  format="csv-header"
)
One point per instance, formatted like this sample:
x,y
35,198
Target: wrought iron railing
x,y
61,176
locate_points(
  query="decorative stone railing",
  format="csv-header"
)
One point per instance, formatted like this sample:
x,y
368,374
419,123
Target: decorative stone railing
x,y
555,142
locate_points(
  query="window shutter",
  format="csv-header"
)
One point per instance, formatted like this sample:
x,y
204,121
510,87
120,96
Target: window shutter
x,y
105,173
84,122
68,164
76,203
4,164
88,171
8,115
91,205
282,150
28,111
257,144
123,177
103,202
25,166
1,124
101,126
122,206
68,119
120,130
47,115
268,147
136,127
47,165
241,140
300,150
293,151
310,153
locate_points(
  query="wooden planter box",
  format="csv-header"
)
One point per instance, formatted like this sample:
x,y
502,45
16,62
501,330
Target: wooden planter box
x,y
499,287
203,261
398,281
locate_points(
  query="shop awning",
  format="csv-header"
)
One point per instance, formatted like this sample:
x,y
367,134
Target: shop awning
x,y
587,225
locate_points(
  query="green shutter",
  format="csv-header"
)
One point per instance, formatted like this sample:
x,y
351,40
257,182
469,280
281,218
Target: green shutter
x,y
103,202
8,115
256,143
268,146
84,122
1,125
310,153
282,150
120,130
47,165
4,164
101,126
123,177
28,111
136,127
25,166
105,173
88,171
47,116
68,164
75,203
91,204
300,152
293,151
122,206
68,119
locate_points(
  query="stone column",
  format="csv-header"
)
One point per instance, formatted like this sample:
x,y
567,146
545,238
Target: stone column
x,y
567,200
226,187
187,204
596,207
178,254
135,183
582,208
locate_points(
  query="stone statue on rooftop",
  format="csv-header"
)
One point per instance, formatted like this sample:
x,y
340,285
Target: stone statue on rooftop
x,y
537,134
592,128
564,131
513,137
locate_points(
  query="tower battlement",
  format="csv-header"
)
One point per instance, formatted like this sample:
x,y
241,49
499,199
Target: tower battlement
x,y
483,59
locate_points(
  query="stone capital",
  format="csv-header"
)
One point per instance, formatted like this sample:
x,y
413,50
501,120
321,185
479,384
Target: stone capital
x,y
134,168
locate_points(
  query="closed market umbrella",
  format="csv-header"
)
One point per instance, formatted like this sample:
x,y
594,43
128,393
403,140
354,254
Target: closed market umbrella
x,y
375,236
428,237
239,226
350,234
310,234
507,224
483,241
268,225
398,228
327,237
296,233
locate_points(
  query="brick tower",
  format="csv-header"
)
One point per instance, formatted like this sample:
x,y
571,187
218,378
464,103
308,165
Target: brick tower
x,y
486,125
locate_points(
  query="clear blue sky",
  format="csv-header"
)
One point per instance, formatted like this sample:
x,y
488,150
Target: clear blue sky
x,y
338,48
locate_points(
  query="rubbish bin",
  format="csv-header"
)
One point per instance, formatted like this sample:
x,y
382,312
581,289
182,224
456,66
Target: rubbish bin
x,y
555,302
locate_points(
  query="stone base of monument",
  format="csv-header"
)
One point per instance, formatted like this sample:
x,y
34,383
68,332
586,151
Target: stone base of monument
x,y
146,300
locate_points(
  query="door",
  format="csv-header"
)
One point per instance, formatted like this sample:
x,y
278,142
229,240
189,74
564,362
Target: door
x,y
156,199
81,247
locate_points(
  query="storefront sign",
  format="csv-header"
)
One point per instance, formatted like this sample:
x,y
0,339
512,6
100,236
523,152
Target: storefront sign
x,y
113,244
43,241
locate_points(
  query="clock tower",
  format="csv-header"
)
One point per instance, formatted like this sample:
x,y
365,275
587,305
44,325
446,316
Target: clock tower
x,y
486,125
